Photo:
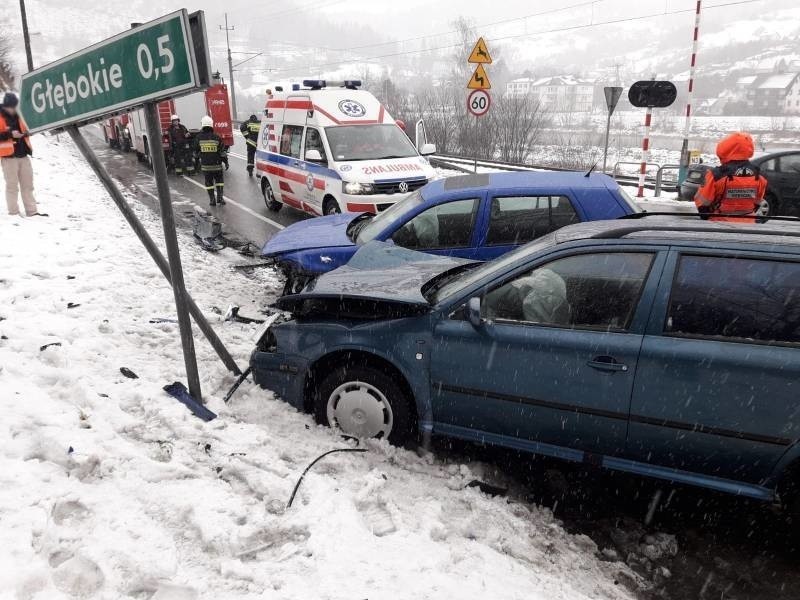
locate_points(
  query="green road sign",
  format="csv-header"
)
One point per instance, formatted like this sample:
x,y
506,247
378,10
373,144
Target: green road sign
x,y
153,61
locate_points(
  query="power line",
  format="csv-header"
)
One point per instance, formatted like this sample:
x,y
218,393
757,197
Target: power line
x,y
304,8
432,35
509,37
484,25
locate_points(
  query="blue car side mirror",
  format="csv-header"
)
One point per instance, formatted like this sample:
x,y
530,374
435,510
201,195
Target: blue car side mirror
x,y
474,312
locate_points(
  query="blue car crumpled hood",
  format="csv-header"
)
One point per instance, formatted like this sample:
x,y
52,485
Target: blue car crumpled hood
x,y
320,232
379,272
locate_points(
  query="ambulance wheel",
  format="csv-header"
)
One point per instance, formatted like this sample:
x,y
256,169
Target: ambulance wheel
x,y
330,207
269,197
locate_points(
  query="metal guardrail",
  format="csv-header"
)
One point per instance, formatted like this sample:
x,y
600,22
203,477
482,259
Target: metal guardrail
x,y
616,173
466,165
660,177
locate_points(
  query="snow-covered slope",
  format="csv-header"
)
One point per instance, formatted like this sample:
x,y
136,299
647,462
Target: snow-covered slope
x,y
111,489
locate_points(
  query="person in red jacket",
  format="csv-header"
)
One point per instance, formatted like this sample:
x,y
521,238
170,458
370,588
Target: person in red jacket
x,y
736,187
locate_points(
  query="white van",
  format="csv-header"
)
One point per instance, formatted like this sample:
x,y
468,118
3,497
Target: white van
x,y
325,150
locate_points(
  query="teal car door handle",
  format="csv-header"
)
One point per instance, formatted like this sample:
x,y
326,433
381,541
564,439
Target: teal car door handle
x,y
607,363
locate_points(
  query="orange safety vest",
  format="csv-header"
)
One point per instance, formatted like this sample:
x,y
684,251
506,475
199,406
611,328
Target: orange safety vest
x,y
7,146
732,189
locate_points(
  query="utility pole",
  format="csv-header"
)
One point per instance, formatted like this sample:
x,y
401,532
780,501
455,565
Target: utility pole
x,y
230,66
25,35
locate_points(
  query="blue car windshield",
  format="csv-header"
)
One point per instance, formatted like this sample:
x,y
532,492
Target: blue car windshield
x,y
369,142
396,212
443,289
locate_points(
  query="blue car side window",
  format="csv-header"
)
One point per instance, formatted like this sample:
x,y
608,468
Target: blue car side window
x,y
752,300
447,225
596,291
518,219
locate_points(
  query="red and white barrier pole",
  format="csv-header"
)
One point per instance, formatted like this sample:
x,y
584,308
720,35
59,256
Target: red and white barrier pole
x,y
685,147
645,151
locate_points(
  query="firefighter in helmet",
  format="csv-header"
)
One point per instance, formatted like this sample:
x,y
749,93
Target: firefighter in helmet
x,y
736,187
250,130
180,144
212,154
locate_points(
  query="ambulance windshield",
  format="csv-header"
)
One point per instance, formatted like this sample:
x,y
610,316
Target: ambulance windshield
x,y
369,142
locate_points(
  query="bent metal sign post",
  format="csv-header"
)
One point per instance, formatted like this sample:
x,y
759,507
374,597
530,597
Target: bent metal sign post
x,y
161,59
153,61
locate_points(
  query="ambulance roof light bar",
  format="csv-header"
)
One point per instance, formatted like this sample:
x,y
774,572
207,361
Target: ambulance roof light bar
x,y
318,84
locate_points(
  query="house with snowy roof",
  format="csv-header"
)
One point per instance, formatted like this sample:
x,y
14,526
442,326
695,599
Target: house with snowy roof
x,y
559,93
771,93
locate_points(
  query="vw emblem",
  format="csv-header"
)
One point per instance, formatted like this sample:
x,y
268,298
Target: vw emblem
x,y
403,187
310,182
352,108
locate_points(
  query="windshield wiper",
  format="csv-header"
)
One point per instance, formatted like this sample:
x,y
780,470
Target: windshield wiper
x,y
392,156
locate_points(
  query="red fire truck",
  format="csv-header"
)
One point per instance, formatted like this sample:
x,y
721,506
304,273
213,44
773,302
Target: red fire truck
x,y
213,102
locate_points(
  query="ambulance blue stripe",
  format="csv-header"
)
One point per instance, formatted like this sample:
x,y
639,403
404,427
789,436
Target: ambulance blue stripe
x,y
409,179
289,161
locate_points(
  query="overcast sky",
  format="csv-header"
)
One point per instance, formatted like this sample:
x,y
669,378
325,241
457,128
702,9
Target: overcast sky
x,y
365,26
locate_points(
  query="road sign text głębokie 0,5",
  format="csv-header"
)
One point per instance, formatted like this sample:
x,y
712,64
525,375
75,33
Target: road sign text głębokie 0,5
x,y
150,62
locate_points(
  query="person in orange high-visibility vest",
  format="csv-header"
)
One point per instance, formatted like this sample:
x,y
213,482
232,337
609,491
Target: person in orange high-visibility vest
x,y
736,187
15,158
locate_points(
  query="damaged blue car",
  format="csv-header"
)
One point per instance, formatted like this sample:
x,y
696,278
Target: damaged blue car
x,y
661,346
477,217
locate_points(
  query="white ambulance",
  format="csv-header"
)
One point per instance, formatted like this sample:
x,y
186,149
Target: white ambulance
x,y
326,149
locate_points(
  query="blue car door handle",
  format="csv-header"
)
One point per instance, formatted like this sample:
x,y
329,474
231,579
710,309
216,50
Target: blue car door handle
x,y
607,363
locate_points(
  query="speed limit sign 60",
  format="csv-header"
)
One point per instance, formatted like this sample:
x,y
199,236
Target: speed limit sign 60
x,y
478,102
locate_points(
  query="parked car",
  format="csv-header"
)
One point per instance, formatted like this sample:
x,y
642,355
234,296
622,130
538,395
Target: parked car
x,y
661,346
782,170
478,217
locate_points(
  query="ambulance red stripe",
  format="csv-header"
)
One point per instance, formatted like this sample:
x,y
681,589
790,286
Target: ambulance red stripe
x,y
290,175
352,122
290,104
299,204
358,207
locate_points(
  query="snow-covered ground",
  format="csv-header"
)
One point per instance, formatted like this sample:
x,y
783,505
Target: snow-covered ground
x,y
109,488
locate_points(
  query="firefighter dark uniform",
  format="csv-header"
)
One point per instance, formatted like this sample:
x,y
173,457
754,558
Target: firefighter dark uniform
x,y
212,154
736,187
250,130
180,143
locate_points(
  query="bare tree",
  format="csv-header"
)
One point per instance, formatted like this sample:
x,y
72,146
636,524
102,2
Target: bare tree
x,y
7,78
437,106
518,121
462,70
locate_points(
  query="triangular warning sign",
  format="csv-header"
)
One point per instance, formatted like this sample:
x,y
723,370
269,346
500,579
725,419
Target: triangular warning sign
x,y
479,80
480,53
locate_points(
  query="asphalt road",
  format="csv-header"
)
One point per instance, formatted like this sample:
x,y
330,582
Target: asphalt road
x,y
244,216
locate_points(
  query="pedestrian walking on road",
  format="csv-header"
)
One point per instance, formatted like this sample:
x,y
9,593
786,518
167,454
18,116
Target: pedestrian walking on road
x,y
250,130
211,150
181,145
15,156
736,187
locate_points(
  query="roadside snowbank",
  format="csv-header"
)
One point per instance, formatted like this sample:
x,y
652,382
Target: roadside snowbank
x,y
109,488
